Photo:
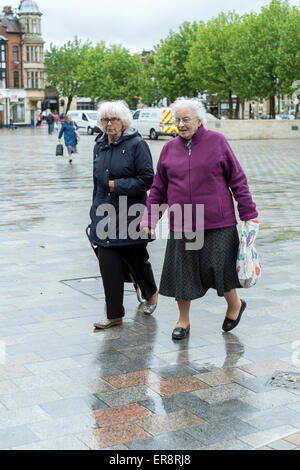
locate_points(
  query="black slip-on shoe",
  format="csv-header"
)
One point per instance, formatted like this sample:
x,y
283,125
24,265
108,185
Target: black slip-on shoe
x,y
229,324
180,333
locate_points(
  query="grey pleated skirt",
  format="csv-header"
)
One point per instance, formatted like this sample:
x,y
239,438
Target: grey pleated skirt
x,y
188,274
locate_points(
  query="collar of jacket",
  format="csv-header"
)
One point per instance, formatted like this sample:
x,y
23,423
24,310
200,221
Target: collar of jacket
x,y
127,134
196,137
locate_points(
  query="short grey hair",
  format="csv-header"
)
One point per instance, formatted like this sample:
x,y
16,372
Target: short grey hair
x,y
194,104
116,108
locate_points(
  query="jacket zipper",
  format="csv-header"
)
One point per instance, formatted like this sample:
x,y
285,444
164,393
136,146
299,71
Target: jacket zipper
x,y
189,146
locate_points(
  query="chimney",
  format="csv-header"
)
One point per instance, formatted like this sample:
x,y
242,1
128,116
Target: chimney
x,y
7,10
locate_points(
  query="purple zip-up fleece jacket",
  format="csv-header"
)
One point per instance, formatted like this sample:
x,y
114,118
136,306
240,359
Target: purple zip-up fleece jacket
x,y
201,171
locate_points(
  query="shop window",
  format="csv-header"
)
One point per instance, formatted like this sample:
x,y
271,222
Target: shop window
x,y
17,112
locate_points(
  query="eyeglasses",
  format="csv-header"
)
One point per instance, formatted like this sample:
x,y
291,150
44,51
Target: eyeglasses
x,y
112,120
185,120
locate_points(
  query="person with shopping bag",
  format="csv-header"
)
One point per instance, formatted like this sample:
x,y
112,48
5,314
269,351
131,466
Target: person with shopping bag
x,y
199,168
69,129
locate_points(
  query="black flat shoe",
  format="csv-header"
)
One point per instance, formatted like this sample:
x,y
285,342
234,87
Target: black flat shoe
x,y
229,324
180,333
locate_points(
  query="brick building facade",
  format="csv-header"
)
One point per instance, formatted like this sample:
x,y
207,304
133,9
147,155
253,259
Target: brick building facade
x,y
22,87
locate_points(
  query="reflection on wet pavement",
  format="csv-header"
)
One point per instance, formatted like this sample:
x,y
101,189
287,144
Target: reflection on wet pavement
x,y
65,386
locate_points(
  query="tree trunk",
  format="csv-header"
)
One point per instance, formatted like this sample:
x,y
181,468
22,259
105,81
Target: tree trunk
x,y
237,109
230,104
272,107
70,98
297,110
243,110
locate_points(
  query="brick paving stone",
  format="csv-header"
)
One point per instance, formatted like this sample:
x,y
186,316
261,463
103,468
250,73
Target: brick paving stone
x,y
222,393
16,436
263,438
127,395
143,377
223,377
293,438
282,444
113,435
169,422
121,414
261,368
176,386
170,441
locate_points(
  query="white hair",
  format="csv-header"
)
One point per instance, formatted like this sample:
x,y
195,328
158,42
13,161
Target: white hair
x,y
194,104
116,108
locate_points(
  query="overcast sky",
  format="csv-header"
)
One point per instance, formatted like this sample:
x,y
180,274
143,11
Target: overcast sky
x,y
136,24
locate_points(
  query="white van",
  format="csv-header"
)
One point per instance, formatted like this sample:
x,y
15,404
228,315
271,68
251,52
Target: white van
x,y
86,120
154,122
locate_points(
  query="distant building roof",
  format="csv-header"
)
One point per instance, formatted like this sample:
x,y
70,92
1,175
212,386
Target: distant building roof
x,y
29,6
11,25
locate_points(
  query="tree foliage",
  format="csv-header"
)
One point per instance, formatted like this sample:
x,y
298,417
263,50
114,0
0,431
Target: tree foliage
x,y
169,62
250,57
210,58
63,67
111,73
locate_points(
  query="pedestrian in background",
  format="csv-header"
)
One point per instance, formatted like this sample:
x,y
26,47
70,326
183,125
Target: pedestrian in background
x,y
69,129
57,121
122,167
199,167
50,121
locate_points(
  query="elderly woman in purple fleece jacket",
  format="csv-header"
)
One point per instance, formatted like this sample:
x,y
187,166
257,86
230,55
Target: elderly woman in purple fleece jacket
x,y
199,169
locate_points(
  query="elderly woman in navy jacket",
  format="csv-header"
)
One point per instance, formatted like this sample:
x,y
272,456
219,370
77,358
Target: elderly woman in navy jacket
x,y
123,173
198,168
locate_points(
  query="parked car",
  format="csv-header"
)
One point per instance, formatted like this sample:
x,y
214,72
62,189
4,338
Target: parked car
x,y
155,122
86,120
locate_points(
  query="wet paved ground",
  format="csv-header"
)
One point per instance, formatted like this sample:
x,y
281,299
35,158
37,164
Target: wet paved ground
x,y
64,386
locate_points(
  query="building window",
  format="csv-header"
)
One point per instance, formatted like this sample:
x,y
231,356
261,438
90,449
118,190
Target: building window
x,y
34,80
15,54
2,64
34,54
16,79
41,80
34,26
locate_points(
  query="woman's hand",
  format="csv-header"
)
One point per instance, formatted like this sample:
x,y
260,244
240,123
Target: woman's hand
x,y
149,230
111,186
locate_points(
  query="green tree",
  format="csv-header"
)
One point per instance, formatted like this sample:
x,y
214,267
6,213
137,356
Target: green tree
x,y
112,73
91,70
63,68
150,93
261,51
288,65
209,62
169,63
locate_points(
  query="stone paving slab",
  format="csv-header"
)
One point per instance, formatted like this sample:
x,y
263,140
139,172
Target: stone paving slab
x,y
65,386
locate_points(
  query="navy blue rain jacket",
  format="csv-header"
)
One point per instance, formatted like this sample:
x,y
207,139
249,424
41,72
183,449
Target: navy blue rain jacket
x,y
128,162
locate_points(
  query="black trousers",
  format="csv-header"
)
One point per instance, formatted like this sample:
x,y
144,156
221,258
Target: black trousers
x,y
112,261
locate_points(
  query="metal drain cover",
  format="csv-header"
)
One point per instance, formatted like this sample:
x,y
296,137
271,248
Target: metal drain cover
x,y
285,380
92,286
